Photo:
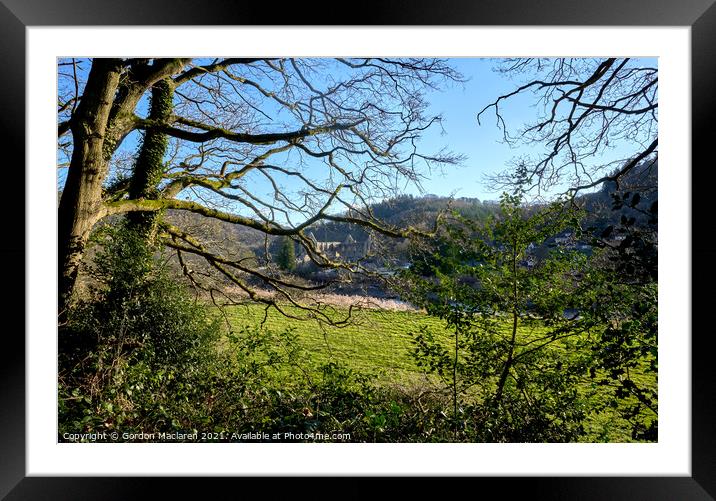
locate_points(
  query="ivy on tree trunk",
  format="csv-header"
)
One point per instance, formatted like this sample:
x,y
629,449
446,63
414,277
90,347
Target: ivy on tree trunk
x,y
149,166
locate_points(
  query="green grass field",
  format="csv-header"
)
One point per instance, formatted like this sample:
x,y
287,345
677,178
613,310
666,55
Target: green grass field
x,y
375,340
379,342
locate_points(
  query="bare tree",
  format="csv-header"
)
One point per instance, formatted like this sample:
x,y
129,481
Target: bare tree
x,y
585,108
274,145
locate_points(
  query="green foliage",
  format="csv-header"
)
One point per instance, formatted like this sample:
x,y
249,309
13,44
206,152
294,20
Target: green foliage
x,y
508,384
379,343
624,311
140,355
328,403
286,256
132,352
619,295
149,165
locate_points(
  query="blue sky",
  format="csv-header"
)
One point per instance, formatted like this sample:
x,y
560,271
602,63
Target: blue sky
x,y
459,105
482,145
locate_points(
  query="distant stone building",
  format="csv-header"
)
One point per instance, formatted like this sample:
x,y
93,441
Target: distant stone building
x,y
347,250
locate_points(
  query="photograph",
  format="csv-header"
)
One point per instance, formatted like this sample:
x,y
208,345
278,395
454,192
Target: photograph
x,y
357,249
281,247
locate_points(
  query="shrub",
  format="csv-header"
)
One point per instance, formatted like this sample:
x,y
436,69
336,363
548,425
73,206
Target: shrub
x,y
134,351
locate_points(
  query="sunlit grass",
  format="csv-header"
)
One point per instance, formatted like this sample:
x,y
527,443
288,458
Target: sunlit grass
x,y
379,342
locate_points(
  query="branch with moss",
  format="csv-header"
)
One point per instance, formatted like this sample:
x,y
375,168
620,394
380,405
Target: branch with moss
x,y
210,133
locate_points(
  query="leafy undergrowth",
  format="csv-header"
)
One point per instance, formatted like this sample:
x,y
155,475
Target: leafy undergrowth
x,y
378,344
140,357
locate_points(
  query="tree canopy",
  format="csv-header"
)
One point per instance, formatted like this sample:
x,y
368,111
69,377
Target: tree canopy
x,y
275,145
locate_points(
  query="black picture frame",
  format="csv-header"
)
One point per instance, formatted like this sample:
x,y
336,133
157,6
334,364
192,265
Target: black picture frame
x,y
16,15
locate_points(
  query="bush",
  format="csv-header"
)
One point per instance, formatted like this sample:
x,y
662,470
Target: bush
x,y
134,351
334,403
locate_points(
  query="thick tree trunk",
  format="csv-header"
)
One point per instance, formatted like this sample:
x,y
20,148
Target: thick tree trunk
x,y
81,200
103,118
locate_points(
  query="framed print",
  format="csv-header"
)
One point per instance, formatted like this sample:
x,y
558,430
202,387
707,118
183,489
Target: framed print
x,y
210,145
